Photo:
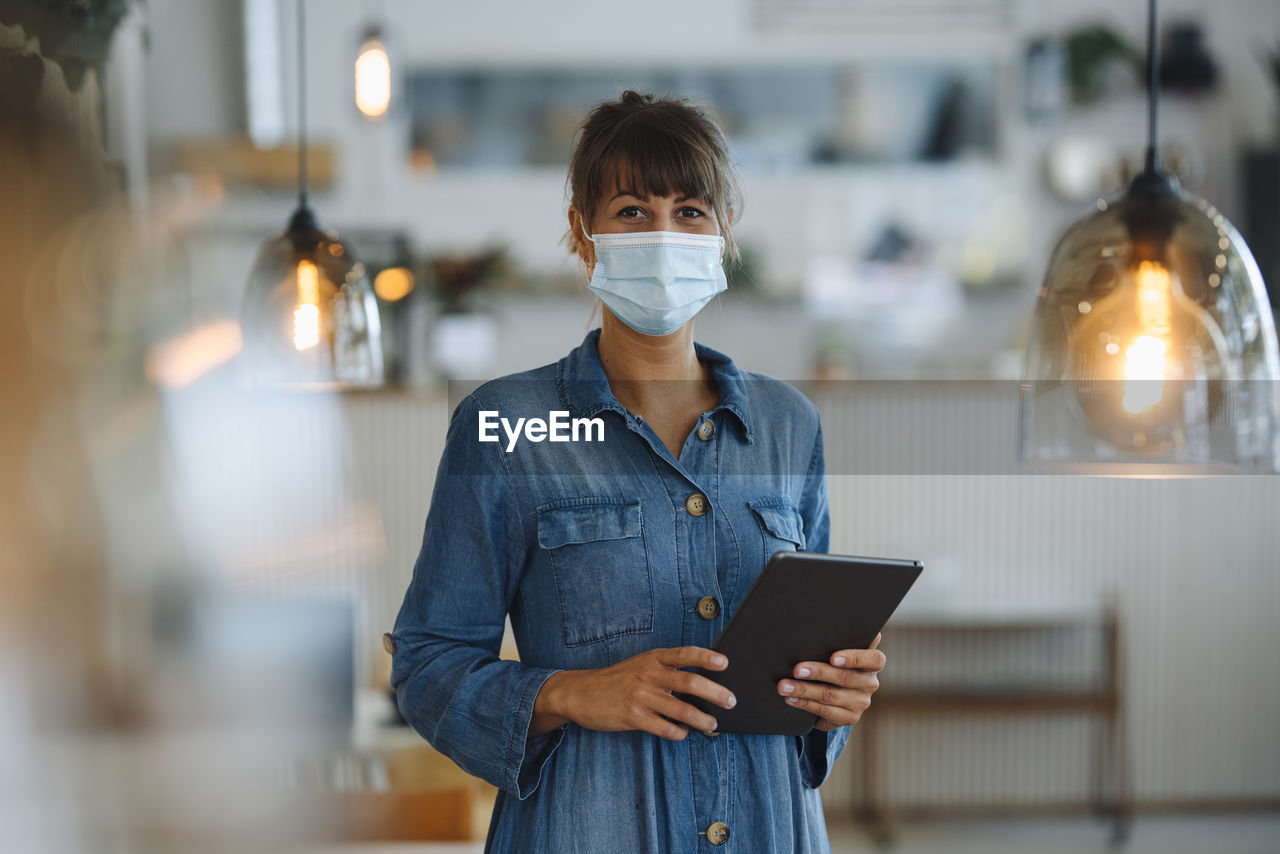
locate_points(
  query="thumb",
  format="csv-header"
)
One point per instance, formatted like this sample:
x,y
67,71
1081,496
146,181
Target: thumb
x,y
875,643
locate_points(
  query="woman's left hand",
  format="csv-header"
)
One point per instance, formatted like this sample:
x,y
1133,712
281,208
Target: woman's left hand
x,y
837,692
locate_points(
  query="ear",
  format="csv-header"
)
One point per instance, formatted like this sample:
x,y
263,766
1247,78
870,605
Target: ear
x,y
577,228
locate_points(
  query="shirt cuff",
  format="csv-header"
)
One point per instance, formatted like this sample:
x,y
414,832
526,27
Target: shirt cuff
x,y
526,757
818,751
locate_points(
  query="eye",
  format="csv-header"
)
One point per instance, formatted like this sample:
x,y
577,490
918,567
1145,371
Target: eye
x,y
690,212
630,212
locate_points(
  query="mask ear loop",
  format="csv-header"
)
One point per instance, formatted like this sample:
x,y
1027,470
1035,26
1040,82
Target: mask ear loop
x,y
589,238
592,241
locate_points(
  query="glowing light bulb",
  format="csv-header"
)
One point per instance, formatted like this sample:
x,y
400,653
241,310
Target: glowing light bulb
x,y
1144,373
373,79
306,316
1145,358
1146,366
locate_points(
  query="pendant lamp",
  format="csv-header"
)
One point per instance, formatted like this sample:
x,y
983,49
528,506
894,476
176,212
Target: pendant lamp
x,y
373,76
1153,342
309,315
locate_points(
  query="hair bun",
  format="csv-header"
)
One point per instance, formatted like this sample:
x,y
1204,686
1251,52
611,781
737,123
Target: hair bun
x,y
632,98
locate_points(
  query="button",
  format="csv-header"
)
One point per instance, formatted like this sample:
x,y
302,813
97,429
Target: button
x,y
718,833
697,504
389,643
708,608
706,430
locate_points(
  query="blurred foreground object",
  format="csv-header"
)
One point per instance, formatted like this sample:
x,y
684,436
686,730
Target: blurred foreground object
x,y
1153,341
143,707
76,34
310,317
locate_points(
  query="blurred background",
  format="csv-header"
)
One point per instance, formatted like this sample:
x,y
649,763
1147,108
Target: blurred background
x,y
196,573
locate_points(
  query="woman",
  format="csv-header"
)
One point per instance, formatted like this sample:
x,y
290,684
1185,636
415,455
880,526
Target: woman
x,y
620,556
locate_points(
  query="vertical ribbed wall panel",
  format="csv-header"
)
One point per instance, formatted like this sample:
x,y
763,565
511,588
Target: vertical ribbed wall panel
x,y
1192,564
398,439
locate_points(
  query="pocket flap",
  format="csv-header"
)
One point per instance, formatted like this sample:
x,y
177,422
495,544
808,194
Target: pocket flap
x,y
562,525
779,518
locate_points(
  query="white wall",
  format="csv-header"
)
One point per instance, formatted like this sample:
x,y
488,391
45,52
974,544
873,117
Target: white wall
x,y
195,64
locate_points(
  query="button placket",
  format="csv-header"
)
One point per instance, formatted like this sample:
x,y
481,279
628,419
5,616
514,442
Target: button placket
x,y
699,580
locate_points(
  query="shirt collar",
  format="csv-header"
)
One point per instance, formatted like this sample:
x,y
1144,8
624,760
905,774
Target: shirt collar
x,y
584,388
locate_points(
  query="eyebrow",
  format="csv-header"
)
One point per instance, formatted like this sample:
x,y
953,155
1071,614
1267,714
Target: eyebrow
x,y
636,195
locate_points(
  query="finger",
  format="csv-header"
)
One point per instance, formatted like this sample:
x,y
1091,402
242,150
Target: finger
x,y
826,694
835,715
662,727
875,643
859,659
682,712
692,656
685,682
863,680
821,692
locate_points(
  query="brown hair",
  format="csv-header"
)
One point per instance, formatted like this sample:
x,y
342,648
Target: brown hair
x,y
654,146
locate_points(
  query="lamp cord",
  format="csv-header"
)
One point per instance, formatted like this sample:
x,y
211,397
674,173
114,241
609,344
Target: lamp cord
x,y
1153,88
302,104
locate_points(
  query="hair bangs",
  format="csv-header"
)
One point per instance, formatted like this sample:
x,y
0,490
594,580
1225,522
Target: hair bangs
x,y
653,161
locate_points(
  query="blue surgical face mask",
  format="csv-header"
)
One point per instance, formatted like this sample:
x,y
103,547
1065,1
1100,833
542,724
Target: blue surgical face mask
x,y
655,281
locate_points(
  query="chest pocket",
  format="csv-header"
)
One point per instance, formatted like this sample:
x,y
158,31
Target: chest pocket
x,y
781,528
601,567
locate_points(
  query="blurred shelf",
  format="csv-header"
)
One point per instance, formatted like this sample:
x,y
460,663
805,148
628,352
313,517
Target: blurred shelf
x,y
1010,699
1008,635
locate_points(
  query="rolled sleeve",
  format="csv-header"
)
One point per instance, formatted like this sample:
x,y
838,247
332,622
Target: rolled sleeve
x,y
450,683
818,752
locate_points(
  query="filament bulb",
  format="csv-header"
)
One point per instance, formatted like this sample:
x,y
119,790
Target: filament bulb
x,y
306,316
1146,358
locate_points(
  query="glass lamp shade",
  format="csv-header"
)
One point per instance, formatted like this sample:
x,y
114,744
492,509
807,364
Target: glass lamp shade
x,y
1153,341
309,316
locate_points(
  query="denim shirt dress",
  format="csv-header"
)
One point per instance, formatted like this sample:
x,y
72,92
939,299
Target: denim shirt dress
x,y
598,551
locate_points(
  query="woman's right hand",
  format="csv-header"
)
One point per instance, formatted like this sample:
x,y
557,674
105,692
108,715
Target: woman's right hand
x,y
635,694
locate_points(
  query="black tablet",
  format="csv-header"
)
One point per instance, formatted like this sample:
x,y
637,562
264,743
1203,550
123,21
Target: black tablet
x,y
803,607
